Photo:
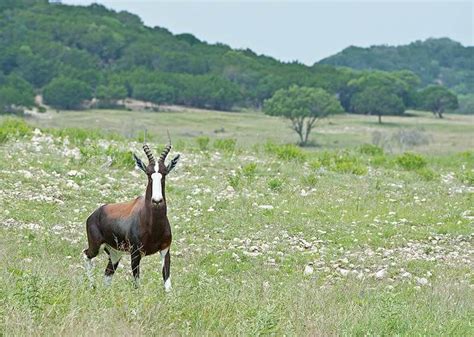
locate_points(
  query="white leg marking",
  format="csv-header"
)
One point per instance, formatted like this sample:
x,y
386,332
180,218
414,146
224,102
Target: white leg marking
x,y
163,254
114,254
88,266
168,280
168,285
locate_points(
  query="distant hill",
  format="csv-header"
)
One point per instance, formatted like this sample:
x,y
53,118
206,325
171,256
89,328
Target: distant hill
x,y
74,54
441,61
117,56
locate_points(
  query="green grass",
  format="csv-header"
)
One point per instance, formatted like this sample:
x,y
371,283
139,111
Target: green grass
x,y
448,135
249,213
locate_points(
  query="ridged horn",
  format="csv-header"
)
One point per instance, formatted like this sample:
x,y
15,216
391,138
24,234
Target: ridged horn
x,y
148,153
165,152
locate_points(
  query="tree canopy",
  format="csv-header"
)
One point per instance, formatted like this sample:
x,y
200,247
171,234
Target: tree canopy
x,y
438,99
303,106
433,61
111,55
66,93
378,101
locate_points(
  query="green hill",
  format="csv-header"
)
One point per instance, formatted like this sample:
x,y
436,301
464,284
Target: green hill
x,y
72,54
117,56
434,60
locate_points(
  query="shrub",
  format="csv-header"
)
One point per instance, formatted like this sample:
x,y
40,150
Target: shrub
x,y
341,162
225,145
120,158
202,142
372,150
287,152
66,93
378,160
409,138
235,180
466,177
275,184
349,164
249,170
411,161
309,180
13,127
427,174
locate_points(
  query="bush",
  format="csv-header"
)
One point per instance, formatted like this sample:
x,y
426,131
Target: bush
x,y
202,142
411,161
287,152
466,177
225,145
371,150
235,180
427,174
349,164
410,138
249,170
378,160
466,104
66,93
121,159
309,180
341,162
275,184
13,127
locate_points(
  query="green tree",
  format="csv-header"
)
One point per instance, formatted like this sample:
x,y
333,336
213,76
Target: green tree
x,y
15,93
377,101
466,104
303,106
66,93
438,99
158,93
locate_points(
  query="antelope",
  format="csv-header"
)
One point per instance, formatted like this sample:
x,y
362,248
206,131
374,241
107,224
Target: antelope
x,y
139,227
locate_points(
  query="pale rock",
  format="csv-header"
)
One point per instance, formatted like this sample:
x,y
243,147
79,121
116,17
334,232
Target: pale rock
x,y
406,274
381,274
343,272
265,206
72,173
421,281
308,270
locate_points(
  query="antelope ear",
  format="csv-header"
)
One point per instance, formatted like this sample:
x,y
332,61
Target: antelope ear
x,y
172,164
139,163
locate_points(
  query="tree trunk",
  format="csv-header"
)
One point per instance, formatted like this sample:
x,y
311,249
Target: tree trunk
x,y
302,140
440,114
380,119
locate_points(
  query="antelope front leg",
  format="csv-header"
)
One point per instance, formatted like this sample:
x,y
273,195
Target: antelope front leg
x,y
114,259
165,266
136,257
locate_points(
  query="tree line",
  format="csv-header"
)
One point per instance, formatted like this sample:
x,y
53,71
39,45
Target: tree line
x,y
72,54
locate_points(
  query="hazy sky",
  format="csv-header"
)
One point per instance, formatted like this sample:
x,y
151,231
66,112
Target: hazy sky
x,y
306,31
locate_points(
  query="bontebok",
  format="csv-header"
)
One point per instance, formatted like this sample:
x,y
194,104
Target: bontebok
x,y
139,227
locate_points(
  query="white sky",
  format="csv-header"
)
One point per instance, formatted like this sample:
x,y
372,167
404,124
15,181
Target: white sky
x,y
306,31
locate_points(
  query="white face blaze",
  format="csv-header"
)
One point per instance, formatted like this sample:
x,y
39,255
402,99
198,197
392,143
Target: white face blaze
x,y
156,193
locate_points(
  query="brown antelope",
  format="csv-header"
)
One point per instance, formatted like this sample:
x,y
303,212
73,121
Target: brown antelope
x,y
140,226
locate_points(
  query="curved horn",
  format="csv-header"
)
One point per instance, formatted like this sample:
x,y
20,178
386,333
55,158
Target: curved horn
x,y
165,152
148,153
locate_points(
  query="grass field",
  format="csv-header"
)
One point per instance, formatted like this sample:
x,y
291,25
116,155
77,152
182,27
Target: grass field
x,y
448,135
337,239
